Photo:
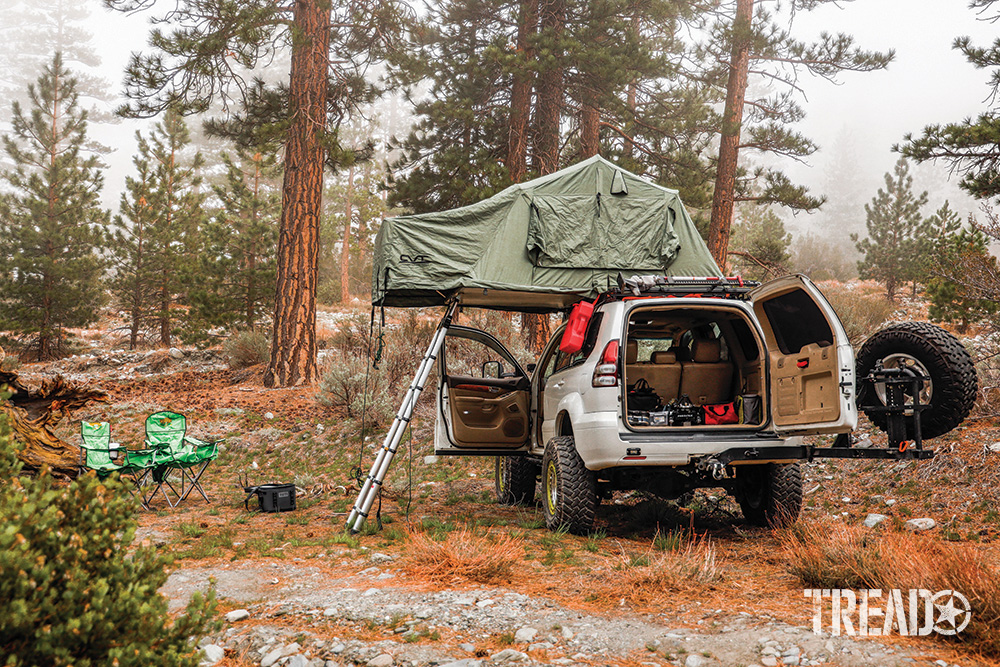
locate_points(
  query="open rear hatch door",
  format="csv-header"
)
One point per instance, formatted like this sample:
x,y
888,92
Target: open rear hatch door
x,y
483,397
810,359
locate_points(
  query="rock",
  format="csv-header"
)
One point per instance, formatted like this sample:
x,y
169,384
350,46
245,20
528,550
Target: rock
x,y
873,520
769,661
482,604
567,634
237,615
541,646
653,645
271,658
431,460
379,558
694,660
995,447
920,525
320,429
338,649
291,649
330,611
890,502
468,662
795,650
213,654
297,660
468,648
525,635
384,660
508,655
845,499
268,415
790,660
175,353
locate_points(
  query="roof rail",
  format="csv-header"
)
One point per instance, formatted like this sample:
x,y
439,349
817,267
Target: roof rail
x,y
733,287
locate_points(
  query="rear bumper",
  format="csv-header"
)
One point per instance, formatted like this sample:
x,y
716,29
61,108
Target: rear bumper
x,y
602,444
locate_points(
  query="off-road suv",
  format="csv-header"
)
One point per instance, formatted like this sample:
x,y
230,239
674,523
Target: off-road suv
x,y
669,385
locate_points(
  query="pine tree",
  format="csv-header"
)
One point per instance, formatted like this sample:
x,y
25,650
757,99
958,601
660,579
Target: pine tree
x,y
760,242
746,38
894,222
200,60
157,233
233,285
51,221
970,147
933,238
951,300
177,201
132,248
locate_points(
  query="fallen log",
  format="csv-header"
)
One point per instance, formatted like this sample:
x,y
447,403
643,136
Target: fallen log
x,y
32,416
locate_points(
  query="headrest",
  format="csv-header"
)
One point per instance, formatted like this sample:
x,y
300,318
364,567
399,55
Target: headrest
x,y
631,352
664,357
705,350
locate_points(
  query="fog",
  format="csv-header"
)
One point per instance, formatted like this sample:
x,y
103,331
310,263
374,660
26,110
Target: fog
x,y
862,116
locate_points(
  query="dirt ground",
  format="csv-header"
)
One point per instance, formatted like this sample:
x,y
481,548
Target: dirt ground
x,y
315,595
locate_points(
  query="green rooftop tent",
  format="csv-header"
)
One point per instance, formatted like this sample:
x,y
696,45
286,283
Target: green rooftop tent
x,y
540,245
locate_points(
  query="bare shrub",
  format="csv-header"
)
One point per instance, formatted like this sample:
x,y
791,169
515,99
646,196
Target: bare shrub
x,y
645,578
247,348
464,555
382,360
855,557
861,314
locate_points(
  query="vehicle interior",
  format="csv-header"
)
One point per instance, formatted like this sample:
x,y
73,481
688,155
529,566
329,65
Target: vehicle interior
x,y
690,358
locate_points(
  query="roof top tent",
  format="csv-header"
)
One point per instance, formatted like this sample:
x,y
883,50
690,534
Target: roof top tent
x,y
538,246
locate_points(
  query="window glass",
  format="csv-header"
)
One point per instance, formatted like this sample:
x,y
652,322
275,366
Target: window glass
x,y
647,346
797,321
549,364
746,340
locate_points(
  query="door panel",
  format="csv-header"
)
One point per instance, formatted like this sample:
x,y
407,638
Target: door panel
x,y
810,359
484,411
478,414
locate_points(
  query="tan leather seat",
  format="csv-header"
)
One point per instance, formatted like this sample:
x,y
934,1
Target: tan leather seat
x,y
706,379
664,375
634,371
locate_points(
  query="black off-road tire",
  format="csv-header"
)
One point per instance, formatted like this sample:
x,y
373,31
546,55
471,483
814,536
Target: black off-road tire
x,y
770,494
953,385
569,490
515,478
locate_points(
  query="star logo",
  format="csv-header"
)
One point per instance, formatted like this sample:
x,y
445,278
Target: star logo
x,y
953,612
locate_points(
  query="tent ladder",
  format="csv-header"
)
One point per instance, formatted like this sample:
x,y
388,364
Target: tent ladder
x,y
373,483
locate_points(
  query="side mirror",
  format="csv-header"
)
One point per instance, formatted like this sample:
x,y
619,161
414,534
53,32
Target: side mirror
x,y
492,369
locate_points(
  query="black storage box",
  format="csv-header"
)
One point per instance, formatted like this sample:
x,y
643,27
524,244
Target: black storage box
x,y
272,497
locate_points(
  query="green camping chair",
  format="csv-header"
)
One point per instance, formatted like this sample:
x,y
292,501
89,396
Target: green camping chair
x,y
97,456
166,434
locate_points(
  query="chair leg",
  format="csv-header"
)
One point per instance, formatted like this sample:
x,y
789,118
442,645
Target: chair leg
x,y
195,484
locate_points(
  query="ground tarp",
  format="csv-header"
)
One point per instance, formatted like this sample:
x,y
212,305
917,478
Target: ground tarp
x,y
540,245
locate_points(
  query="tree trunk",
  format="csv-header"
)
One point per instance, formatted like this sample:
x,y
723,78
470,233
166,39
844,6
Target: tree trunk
x,y
550,88
729,145
520,94
293,345
32,416
345,247
590,118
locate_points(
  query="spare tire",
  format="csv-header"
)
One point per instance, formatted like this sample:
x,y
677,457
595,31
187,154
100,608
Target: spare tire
x,y
932,352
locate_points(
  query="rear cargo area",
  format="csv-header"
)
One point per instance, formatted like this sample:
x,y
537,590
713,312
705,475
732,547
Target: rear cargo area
x,y
693,366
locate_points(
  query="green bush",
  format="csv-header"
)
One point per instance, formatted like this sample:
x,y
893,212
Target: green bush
x,y
72,589
247,348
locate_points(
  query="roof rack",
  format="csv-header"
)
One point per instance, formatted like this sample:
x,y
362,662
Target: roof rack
x,y
732,287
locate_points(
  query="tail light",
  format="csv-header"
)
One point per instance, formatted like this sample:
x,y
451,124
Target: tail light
x,y
606,373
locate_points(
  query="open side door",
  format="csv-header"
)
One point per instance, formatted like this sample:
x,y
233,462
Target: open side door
x,y
810,359
483,397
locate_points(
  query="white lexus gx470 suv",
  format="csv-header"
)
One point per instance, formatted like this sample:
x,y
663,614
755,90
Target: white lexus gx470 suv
x,y
671,384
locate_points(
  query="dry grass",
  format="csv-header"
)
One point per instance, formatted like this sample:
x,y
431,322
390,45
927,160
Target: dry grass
x,y
862,314
464,555
855,557
645,577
